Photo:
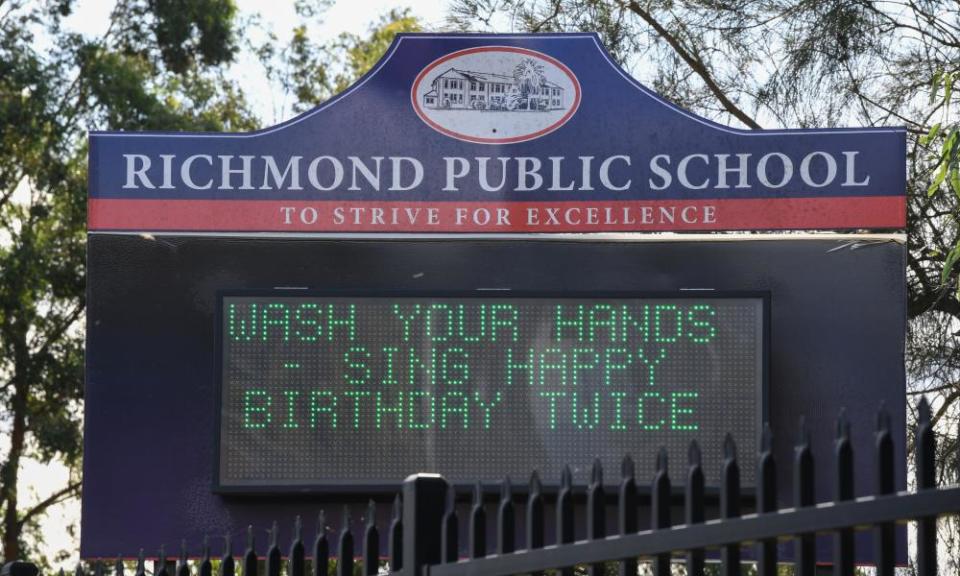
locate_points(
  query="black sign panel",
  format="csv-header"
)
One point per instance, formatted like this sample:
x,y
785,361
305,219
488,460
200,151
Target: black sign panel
x,y
347,391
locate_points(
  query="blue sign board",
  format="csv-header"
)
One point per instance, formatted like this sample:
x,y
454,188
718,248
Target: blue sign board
x,y
498,134
259,329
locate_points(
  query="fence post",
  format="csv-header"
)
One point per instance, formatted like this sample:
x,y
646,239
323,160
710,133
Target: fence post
x,y
925,454
424,502
884,539
19,568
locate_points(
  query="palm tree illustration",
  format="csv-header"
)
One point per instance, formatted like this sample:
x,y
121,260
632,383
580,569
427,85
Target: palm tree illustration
x,y
528,76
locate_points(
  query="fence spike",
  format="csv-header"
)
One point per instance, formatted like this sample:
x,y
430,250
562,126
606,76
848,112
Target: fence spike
x,y
274,559
694,512
395,539
596,473
345,548
228,566
694,457
730,505
843,551
296,564
450,536
766,501
506,519
78,571
535,520
141,564
627,468
371,541
883,417
98,567
627,511
884,540
925,453
61,573
660,509
478,524
250,566
161,568
206,565
183,569
843,455
565,512
536,486
321,547
729,448
803,495
118,566
596,512
566,477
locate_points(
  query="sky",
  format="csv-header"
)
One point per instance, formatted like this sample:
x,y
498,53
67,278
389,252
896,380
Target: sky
x,y
356,16
90,17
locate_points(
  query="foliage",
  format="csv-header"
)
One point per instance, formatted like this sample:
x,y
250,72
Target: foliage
x,y
779,63
313,72
158,66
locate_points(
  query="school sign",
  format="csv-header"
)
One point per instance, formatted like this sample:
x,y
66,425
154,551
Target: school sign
x,y
498,135
410,278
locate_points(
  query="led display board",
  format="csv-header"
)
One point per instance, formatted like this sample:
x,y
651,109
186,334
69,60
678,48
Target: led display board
x,y
345,391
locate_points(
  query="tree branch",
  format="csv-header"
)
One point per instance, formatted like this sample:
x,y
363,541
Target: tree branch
x,y
54,498
695,64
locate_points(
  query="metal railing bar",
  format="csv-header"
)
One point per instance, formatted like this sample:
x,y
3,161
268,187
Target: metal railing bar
x,y
861,513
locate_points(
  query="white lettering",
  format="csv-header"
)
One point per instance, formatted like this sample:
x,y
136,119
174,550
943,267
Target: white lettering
x,y
373,179
482,176
226,172
314,177
555,162
658,170
134,173
851,179
396,162
185,172
270,169
805,169
605,173
454,173
682,172
528,166
764,178
740,170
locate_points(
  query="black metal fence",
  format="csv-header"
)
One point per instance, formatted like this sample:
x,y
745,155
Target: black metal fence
x,y
424,540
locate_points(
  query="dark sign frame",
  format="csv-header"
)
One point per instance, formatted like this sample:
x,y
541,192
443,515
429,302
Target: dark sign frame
x,y
379,487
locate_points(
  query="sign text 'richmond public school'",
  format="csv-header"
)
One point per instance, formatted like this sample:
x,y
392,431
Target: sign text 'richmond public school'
x,y
464,136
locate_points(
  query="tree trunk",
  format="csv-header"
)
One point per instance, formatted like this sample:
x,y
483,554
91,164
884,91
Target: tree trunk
x,y
11,472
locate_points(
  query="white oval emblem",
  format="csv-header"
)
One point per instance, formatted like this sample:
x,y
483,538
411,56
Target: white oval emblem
x,y
495,94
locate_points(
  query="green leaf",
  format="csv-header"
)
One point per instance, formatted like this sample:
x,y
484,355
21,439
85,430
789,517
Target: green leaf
x,y
955,180
929,136
949,263
938,180
935,85
947,89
